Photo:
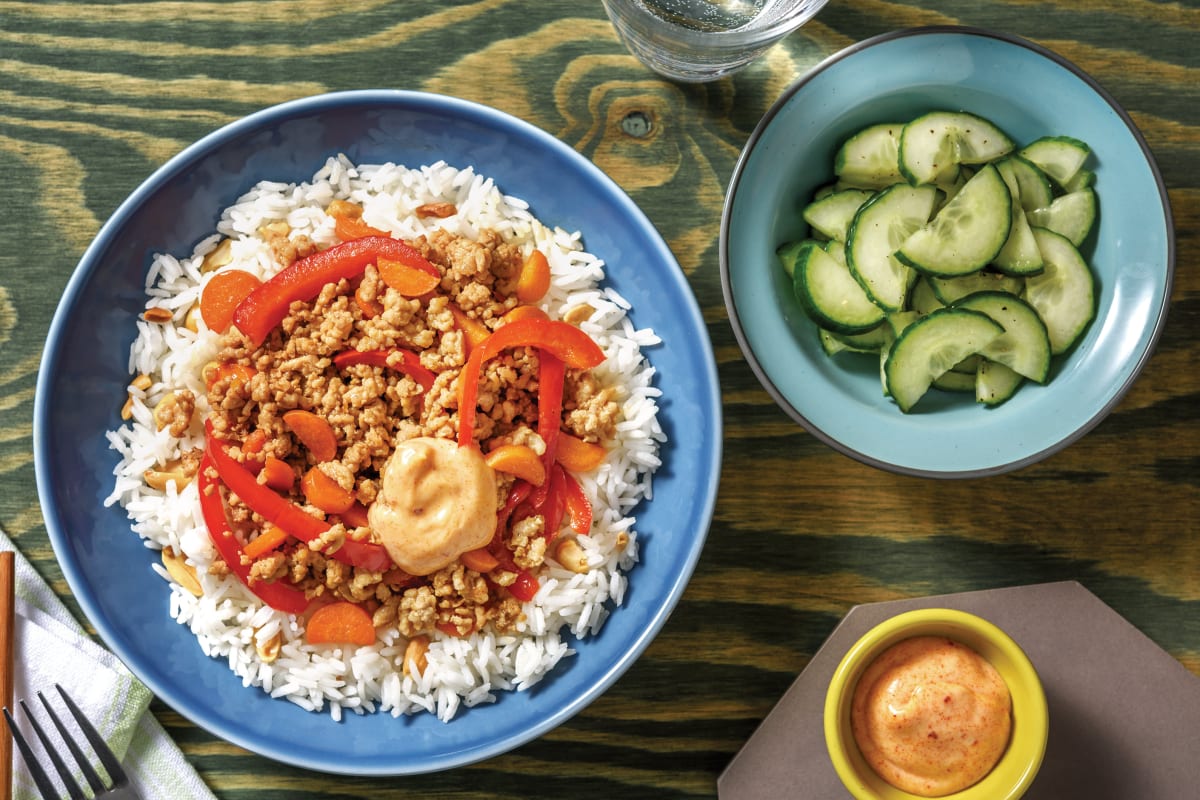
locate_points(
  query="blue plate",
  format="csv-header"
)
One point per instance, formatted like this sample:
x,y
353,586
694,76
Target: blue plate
x,y
83,380
1029,92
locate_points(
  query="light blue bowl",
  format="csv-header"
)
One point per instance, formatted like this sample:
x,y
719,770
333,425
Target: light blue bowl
x,y
1029,92
83,379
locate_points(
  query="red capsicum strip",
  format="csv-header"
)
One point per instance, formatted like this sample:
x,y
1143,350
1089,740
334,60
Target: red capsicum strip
x,y
265,307
277,510
561,339
275,594
551,374
579,508
409,363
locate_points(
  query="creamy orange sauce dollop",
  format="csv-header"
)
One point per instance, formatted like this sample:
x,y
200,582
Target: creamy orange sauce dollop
x,y
931,716
436,501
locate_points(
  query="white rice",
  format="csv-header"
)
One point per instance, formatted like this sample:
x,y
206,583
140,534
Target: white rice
x,y
227,619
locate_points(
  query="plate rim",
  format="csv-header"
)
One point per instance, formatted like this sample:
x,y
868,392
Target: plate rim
x,y
786,405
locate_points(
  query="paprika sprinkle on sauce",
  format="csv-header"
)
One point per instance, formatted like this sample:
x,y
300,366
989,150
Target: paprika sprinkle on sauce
x,y
931,716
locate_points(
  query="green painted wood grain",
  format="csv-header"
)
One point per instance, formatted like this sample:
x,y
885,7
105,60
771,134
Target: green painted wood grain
x,y
94,96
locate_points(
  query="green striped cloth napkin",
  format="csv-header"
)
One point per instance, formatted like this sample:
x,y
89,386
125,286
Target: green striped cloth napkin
x,y
51,647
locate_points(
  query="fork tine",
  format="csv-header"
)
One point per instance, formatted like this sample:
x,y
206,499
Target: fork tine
x,y
107,757
82,760
65,774
45,786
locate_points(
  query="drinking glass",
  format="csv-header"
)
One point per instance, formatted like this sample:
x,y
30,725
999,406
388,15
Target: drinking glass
x,y
702,40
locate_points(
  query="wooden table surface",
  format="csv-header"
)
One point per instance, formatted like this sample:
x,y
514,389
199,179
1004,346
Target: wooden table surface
x,y
95,96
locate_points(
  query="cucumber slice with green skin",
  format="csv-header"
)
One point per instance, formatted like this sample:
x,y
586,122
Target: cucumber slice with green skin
x,y
869,342
831,215
830,294
1084,179
967,233
1073,215
922,298
1060,157
949,290
955,382
1064,294
879,227
870,158
1025,345
995,383
932,144
968,365
895,323
787,254
1033,187
930,347
1020,254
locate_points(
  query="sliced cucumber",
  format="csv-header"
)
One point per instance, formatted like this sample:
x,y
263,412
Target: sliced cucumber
x,y
922,298
1060,157
1072,215
831,215
949,290
937,142
1033,187
892,326
932,345
830,294
1084,179
1064,294
967,233
870,158
869,342
877,230
955,381
787,254
1020,254
995,383
1025,346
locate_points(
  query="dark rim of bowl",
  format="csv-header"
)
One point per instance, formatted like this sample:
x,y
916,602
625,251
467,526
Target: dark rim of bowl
x,y
727,289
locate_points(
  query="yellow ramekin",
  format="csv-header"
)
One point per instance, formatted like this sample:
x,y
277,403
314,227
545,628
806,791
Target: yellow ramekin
x,y
1016,769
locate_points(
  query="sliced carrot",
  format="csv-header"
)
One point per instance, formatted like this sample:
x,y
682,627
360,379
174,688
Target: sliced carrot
x,y
473,330
314,432
406,279
237,374
277,474
222,294
348,228
255,442
534,280
268,540
341,622
355,516
370,307
325,493
524,312
518,460
479,560
577,455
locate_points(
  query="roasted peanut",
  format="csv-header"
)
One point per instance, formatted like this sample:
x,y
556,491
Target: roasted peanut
x,y
268,650
142,382
182,572
159,478
191,320
218,257
157,314
571,556
414,656
578,314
